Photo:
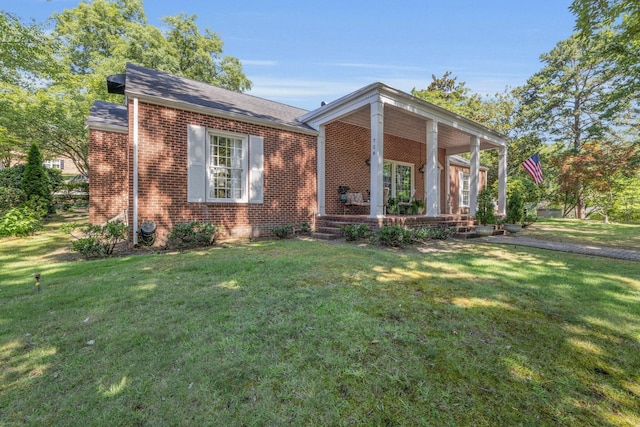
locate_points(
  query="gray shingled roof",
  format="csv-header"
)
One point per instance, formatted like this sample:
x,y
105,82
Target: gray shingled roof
x,y
144,81
107,114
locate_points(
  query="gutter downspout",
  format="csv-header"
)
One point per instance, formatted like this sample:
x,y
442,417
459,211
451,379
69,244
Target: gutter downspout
x,y
135,171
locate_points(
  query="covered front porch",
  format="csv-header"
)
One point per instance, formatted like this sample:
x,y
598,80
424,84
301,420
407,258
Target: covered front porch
x,y
380,138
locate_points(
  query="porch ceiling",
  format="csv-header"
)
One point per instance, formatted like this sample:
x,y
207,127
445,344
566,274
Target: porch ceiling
x,y
404,124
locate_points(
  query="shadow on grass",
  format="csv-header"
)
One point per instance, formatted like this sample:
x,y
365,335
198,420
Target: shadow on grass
x,y
307,332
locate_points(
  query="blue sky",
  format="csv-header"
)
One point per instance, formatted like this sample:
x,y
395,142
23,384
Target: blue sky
x,y
304,52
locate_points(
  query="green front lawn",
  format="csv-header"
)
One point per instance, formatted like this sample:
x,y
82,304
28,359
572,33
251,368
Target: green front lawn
x,y
586,232
311,333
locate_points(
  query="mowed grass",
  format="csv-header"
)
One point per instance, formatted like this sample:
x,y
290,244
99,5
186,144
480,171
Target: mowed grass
x,y
626,236
311,333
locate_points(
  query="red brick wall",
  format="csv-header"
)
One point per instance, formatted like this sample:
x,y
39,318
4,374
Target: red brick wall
x,y
108,175
289,175
348,147
454,186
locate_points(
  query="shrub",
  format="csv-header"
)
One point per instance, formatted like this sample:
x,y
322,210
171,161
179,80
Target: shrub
x,y
515,208
485,214
528,220
39,206
10,198
440,233
353,232
35,180
282,231
99,240
392,206
305,227
56,181
193,234
394,236
20,221
12,177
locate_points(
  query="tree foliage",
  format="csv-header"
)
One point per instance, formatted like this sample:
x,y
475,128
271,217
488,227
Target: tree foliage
x,y
24,51
35,181
448,93
89,42
597,174
569,100
620,20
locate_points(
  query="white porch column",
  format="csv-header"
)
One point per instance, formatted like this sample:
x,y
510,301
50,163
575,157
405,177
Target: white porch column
x,y
376,210
474,175
432,199
447,183
321,171
502,181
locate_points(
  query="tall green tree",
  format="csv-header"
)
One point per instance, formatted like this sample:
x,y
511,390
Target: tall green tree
x,y
497,112
566,100
447,92
24,51
620,20
89,42
35,181
570,101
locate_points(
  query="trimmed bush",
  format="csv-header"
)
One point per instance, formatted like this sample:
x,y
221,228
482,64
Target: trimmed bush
x,y
394,236
282,231
193,234
353,232
99,240
35,180
305,228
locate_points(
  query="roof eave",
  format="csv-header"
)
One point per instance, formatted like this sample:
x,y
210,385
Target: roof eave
x,y
195,108
362,96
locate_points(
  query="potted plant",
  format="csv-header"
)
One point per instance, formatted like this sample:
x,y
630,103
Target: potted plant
x,y
515,212
417,207
342,191
485,215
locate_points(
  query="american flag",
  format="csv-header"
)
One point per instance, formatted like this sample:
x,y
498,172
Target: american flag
x,y
532,165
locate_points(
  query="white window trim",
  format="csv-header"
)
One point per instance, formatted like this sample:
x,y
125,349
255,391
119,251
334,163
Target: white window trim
x,y
393,164
245,167
460,181
53,164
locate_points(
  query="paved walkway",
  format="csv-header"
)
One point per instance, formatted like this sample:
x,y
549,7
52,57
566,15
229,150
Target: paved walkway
x,y
603,251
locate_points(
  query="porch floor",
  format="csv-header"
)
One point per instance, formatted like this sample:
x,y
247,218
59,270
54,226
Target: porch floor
x,y
328,226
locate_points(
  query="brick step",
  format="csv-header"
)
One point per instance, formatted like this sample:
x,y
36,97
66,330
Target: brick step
x,y
329,230
325,236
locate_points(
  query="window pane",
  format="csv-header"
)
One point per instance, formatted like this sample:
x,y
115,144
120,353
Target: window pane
x,y
226,167
403,182
464,188
386,176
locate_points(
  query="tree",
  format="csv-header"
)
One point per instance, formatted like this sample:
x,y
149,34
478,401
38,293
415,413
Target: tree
x,y
35,181
100,36
454,96
199,56
620,19
597,174
24,51
89,42
570,99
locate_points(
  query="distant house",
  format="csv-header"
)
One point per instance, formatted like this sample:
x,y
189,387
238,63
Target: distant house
x,y
181,150
64,163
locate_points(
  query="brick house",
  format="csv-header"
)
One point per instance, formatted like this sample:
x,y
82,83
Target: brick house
x,y
181,150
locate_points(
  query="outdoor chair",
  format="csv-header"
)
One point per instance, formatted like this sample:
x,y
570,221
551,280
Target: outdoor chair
x,y
409,203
